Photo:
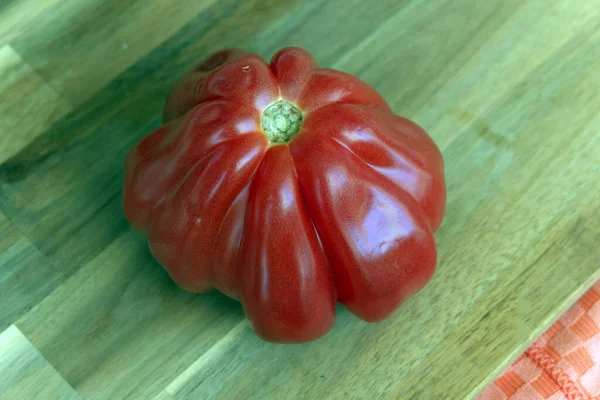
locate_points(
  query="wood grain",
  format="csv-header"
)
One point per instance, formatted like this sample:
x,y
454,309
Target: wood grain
x,y
17,16
24,96
25,373
81,50
25,276
509,90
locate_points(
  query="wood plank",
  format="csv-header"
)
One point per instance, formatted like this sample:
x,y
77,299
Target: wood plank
x,y
26,374
163,396
83,52
16,16
119,327
308,25
185,384
28,107
25,276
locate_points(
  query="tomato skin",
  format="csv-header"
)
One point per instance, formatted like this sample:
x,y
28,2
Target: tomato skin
x,y
285,283
344,211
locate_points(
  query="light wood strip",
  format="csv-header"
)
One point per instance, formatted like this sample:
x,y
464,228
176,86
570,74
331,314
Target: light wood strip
x,y
25,374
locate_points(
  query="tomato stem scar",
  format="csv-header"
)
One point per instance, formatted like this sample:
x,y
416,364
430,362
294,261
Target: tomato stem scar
x,y
281,122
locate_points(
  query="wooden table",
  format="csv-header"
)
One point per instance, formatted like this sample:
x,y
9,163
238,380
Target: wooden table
x,y
509,90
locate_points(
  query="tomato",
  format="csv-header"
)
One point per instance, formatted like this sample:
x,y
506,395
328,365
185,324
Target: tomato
x,y
288,187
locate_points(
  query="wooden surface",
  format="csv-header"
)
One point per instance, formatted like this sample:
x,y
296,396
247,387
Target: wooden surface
x,y
509,90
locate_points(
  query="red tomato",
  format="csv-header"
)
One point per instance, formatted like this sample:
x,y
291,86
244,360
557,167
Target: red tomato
x,y
288,187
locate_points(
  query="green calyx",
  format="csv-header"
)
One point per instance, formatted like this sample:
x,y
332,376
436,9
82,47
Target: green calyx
x,y
281,122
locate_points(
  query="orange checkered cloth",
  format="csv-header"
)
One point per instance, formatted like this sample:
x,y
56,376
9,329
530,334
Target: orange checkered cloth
x,y
563,364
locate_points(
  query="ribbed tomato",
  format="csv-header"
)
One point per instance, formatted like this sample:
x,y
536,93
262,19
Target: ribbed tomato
x,y
288,187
